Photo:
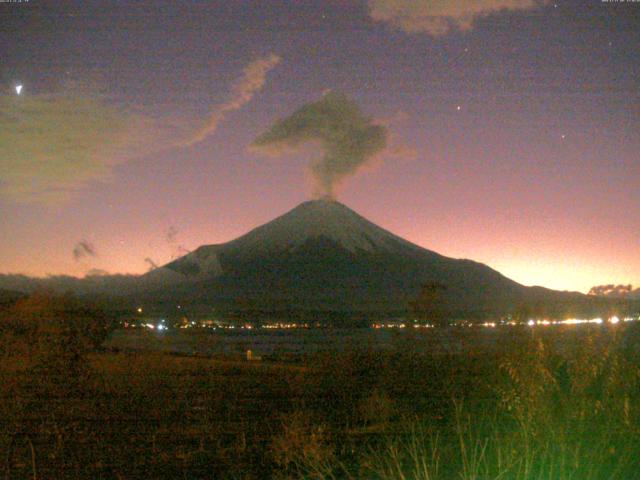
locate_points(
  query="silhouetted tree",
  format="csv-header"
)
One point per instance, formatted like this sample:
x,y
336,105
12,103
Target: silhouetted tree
x,y
51,335
56,332
611,290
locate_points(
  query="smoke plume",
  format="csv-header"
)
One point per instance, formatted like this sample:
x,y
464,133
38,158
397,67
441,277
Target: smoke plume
x,y
348,139
84,248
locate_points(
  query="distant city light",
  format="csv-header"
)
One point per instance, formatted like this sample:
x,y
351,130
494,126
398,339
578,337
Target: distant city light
x,y
162,324
572,321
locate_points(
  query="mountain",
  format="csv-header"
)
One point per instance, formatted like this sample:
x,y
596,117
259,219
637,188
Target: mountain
x,y
323,256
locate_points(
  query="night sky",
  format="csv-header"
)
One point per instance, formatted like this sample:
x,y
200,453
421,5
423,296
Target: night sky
x,y
512,129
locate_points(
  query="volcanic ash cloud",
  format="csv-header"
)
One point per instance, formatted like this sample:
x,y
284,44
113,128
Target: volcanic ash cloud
x,y
347,138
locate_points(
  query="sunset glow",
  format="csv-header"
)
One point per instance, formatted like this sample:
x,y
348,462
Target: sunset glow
x,y
512,138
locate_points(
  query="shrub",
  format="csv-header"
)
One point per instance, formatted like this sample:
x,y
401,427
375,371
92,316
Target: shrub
x,y
303,448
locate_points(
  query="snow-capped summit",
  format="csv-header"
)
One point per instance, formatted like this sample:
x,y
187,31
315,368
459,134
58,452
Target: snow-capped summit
x,y
320,218
310,223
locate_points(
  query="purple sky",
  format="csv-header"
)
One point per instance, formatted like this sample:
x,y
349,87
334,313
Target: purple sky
x,y
515,134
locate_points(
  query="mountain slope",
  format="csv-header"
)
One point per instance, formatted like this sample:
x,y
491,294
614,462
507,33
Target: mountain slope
x,y
323,256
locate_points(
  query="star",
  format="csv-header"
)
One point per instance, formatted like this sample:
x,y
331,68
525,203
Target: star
x,y
563,136
18,89
458,108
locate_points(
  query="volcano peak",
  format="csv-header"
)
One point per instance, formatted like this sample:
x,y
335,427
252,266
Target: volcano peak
x,y
313,219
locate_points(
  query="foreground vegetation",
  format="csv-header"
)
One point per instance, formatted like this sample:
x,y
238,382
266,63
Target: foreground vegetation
x,y
538,409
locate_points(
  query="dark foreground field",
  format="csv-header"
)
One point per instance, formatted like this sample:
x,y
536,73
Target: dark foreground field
x,y
546,404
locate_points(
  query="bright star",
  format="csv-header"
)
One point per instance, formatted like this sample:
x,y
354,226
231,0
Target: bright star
x,y
458,107
18,89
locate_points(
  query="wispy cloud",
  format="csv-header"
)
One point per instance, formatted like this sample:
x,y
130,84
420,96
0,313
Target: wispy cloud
x,y
53,145
84,248
439,17
244,89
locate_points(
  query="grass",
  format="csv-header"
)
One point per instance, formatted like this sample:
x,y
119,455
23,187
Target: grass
x,y
539,408
537,411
